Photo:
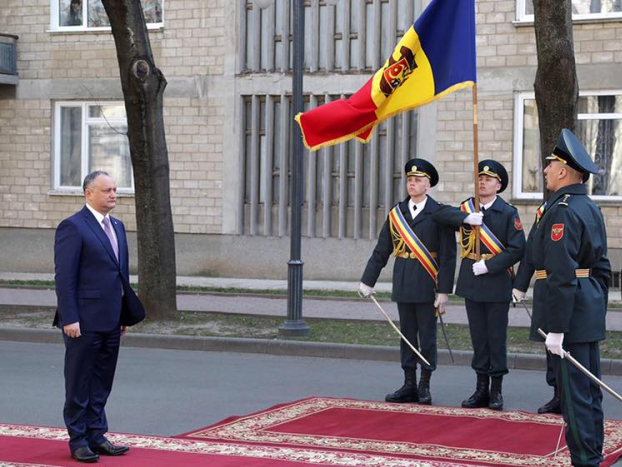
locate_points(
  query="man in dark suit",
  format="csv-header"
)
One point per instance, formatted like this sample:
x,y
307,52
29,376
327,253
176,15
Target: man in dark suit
x,y
569,253
485,281
95,306
423,275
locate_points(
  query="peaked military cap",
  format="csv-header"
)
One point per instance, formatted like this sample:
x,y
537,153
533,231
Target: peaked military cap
x,y
421,168
570,151
494,169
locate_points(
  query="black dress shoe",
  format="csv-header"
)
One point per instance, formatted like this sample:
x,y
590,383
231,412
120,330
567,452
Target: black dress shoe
x,y
552,406
84,454
108,449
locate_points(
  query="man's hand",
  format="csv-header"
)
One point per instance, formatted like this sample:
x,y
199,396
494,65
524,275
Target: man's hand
x,y
475,218
554,343
480,268
72,330
518,295
440,302
124,330
365,290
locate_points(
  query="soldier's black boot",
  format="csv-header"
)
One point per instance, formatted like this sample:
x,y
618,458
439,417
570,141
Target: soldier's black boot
x,y
554,405
481,396
425,397
496,398
408,392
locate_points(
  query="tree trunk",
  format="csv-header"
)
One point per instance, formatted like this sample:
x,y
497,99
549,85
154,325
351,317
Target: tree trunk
x,y
556,85
143,89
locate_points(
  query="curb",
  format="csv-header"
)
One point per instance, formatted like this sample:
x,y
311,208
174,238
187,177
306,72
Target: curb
x,y
516,361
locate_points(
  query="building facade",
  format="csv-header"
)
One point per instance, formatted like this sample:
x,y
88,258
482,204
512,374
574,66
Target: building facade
x,y
229,121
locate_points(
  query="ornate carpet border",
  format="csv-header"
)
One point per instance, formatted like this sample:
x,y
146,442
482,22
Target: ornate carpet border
x,y
300,455
255,429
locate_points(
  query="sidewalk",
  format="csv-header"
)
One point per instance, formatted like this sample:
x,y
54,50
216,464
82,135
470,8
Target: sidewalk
x,y
355,308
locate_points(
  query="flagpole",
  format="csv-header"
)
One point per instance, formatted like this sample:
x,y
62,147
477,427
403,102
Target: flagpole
x,y
476,170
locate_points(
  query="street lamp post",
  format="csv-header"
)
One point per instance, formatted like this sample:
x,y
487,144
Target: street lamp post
x,y
294,326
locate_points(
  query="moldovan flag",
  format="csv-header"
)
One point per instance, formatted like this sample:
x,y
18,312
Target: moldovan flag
x,y
436,56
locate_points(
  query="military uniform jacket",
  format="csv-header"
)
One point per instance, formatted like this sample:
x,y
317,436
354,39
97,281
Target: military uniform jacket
x,y
411,282
571,235
503,221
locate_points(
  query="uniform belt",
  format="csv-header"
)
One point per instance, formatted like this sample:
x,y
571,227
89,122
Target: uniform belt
x,y
580,273
407,255
485,256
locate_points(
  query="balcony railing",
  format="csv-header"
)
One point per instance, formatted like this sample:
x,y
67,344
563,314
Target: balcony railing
x,y
8,59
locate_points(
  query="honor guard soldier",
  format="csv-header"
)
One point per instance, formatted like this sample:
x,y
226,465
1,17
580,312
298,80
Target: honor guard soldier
x,y
521,283
569,252
485,281
423,275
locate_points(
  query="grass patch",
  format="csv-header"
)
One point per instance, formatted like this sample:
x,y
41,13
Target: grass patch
x,y
321,330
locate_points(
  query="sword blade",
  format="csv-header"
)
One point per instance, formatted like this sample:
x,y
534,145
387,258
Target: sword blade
x,y
451,354
585,371
398,331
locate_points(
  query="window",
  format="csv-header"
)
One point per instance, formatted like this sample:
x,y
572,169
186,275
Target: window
x,y
581,9
91,137
599,128
69,15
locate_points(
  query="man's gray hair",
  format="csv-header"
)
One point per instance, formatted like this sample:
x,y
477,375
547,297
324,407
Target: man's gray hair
x,y
88,180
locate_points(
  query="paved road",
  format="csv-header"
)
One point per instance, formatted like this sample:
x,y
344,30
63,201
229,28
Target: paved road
x,y
168,392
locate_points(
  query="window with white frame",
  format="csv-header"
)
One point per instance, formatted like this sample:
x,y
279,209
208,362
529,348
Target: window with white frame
x,y
581,9
91,136
599,128
69,15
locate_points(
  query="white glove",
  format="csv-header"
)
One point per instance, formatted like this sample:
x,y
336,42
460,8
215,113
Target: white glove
x,y
365,290
480,268
475,218
440,301
554,343
518,295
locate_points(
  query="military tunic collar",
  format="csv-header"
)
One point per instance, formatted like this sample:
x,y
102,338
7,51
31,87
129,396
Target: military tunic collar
x,y
576,189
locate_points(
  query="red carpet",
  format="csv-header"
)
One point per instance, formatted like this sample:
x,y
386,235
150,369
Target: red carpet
x,y
330,432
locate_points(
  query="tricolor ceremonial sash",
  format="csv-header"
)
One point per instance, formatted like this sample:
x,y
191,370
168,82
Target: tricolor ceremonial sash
x,y
412,241
487,237
540,212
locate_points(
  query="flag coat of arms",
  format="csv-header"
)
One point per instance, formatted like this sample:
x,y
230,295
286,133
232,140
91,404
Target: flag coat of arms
x,y
435,57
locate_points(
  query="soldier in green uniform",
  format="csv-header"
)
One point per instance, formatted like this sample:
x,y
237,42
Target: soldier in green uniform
x,y
569,252
423,275
485,282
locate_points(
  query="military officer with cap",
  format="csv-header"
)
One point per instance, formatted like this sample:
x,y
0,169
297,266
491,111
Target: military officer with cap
x,y
569,252
423,275
485,281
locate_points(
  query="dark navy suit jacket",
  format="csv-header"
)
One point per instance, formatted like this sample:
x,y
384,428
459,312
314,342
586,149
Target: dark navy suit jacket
x,y
92,286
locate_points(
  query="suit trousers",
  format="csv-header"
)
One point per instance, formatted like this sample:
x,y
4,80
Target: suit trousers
x,y
582,404
488,326
90,364
418,324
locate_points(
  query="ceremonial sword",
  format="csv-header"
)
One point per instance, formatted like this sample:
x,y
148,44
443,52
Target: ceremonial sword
x,y
584,370
397,330
440,317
